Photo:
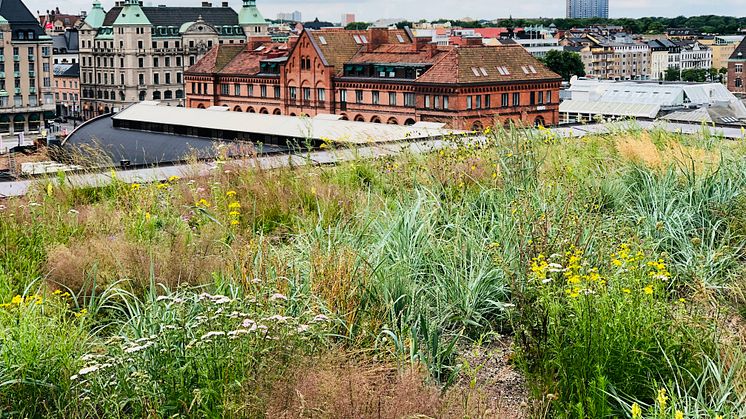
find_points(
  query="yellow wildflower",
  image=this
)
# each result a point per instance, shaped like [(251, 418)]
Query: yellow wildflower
[(234, 213), (135, 186), (173, 178), (234, 222), (230, 194), (626, 290), (679, 415), (162, 185), (648, 290), (57, 292), (636, 411), (234, 206), (662, 398), (202, 203), (50, 190), (16, 300), (147, 216)]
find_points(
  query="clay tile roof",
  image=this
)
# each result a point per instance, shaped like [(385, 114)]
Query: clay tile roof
[(396, 54), (247, 61), (216, 58), (340, 46), (469, 65), (740, 48)]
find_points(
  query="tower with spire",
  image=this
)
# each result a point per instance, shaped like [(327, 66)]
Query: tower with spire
[(251, 20)]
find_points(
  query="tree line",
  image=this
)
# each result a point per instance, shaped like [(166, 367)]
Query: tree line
[(708, 24)]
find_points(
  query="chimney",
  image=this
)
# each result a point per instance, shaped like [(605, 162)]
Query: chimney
[(473, 41), (432, 49), (225, 4), (421, 42), (377, 37)]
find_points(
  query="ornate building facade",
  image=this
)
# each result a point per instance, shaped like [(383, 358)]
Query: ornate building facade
[(379, 75), (26, 96), (133, 53)]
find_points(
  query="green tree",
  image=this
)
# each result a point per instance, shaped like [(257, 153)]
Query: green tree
[(565, 63), (673, 74), (694, 75), (355, 26)]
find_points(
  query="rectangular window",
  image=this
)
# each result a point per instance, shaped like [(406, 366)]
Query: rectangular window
[(540, 98), (237, 89), (516, 99), (375, 97), (392, 98), (343, 96), (140, 62), (293, 93), (532, 98), (307, 94), (427, 101), (739, 68), (320, 94), (437, 102), (168, 61), (548, 96), (487, 101), (141, 79), (468, 102), (409, 100), (479, 102), (251, 90), (445, 102), (504, 100), (155, 61), (156, 78), (263, 90), (277, 92), (224, 89)]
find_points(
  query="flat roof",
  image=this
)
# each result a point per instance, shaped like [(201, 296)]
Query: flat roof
[(321, 128)]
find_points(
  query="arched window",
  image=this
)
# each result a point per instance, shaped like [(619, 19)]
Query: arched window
[(392, 121), (277, 112), (168, 94), (359, 118), (409, 121), (179, 94), (156, 95), (142, 95)]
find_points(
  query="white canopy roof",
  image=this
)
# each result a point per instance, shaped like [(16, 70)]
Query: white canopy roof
[(322, 127)]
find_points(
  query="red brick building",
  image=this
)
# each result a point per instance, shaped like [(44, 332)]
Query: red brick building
[(736, 74), (379, 75)]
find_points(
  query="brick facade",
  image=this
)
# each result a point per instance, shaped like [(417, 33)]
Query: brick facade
[(379, 75), (737, 70)]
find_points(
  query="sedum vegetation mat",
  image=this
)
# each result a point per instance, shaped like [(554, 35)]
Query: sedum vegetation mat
[(614, 264)]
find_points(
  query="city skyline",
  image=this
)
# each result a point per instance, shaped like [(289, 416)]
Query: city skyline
[(368, 10)]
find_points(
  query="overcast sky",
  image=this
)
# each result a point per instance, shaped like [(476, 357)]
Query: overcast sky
[(368, 10)]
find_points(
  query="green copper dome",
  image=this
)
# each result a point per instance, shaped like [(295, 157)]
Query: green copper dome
[(132, 14), (95, 18), (250, 15)]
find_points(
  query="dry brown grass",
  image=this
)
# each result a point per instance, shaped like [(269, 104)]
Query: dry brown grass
[(351, 387), (641, 149), (107, 259)]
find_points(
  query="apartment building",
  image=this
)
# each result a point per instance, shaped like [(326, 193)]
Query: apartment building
[(664, 54), (67, 90), (132, 53), (26, 96), (584, 9), (736, 74), (381, 76), (604, 59), (696, 56)]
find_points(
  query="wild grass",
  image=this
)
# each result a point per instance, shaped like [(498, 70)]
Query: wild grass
[(613, 262)]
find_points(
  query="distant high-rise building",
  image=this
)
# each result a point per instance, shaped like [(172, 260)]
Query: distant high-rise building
[(290, 17), (583, 9), (348, 18)]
